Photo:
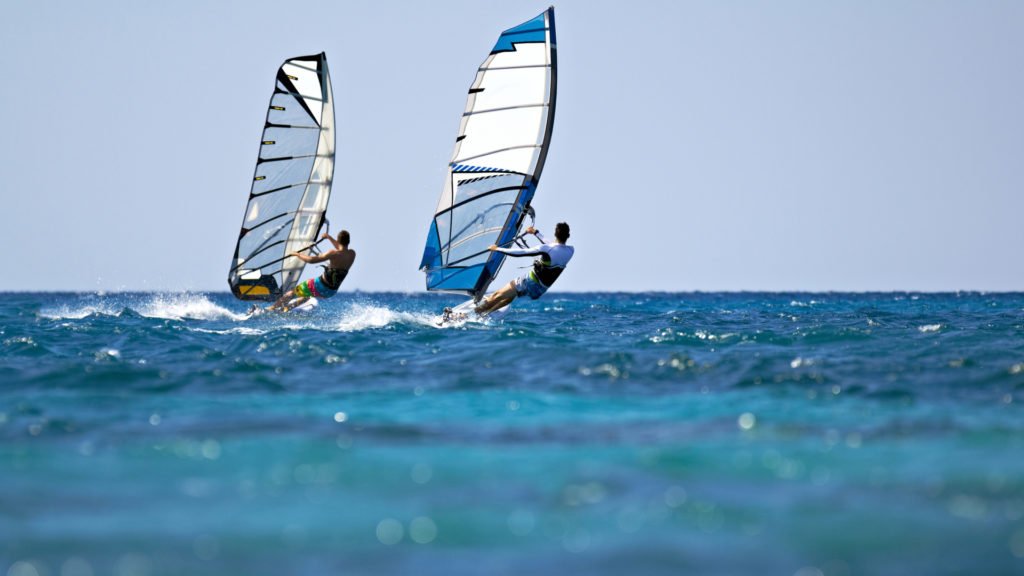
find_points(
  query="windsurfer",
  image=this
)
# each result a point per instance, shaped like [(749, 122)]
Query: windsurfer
[(340, 260), (552, 259)]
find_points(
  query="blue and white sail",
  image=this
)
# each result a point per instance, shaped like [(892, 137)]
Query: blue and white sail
[(499, 155), (292, 182)]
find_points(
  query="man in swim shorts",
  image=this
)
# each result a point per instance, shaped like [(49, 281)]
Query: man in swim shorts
[(340, 260), (551, 261)]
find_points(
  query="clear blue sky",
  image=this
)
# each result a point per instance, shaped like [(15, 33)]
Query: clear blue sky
[(785, 145)]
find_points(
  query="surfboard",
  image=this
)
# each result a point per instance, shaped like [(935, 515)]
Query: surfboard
[(308, 307), (466, 312)]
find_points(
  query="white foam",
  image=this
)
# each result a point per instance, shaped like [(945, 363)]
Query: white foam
[(242, 330), (368, 316), (184, 306), (930, 328), (178, 306), (66, 312)]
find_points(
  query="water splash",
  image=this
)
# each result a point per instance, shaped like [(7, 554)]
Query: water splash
[(369, 316), (164, 306), (79, 312), (184, 306), (240, 330)]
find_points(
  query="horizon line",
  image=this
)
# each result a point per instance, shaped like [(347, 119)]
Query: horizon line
[(572, 292)]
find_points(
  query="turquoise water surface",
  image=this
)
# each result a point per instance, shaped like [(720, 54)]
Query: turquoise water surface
[(809, 434)]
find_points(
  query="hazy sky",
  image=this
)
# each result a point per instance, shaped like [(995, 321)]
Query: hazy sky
[(709, 145)]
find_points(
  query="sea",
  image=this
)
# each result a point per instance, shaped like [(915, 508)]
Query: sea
[(798, 434)]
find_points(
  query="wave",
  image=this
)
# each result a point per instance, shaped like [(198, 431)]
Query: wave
[(180, 306), (69, 312), (185, 306), (240, 330), (349, 317), (354, 317), (369, 316)]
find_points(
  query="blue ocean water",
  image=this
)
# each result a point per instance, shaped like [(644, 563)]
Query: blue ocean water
[(796, 434)]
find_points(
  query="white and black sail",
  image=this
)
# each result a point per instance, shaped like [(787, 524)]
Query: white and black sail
[(499, 155), (292, 182)]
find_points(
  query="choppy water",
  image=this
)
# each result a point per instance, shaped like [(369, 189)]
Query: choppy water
[(835, 434)]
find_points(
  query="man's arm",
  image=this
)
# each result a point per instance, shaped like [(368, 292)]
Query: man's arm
[(518, 251), (313, 259), (335, 243), (537, 251)]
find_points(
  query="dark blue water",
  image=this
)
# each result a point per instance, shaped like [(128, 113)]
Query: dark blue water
[(834, 434)]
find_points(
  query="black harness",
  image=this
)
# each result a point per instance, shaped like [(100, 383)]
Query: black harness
[(546, 273), (333, 277)]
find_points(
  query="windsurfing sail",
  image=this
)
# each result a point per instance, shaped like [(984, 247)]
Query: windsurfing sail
[(292, 182), (499, 154)]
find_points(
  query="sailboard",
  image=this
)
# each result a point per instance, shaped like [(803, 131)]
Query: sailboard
[(499, 154), (291, 185)]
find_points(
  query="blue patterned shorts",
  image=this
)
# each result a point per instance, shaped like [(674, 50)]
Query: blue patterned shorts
[(314, 287), (528, 284)]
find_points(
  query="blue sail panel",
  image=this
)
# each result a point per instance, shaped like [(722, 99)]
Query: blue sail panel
[(529, 31), (537, 23), (454, 279), (432, 251)]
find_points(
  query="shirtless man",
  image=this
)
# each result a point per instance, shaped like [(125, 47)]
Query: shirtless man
[(340, 260), (553, 256)]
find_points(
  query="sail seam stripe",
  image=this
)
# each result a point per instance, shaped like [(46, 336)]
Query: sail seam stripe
[(514, 67), (470, 238), (477, 197), (463, 259), (265, 192), (474, 112), (499, 150), (267, 221), (260, 160), (290, 93), (507, 33), (273, 125), (314, 70), (260, 251), (282, 215)]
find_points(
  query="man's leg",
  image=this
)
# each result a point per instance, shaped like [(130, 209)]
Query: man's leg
[(296, 303), (498, 299), (281, 301)]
